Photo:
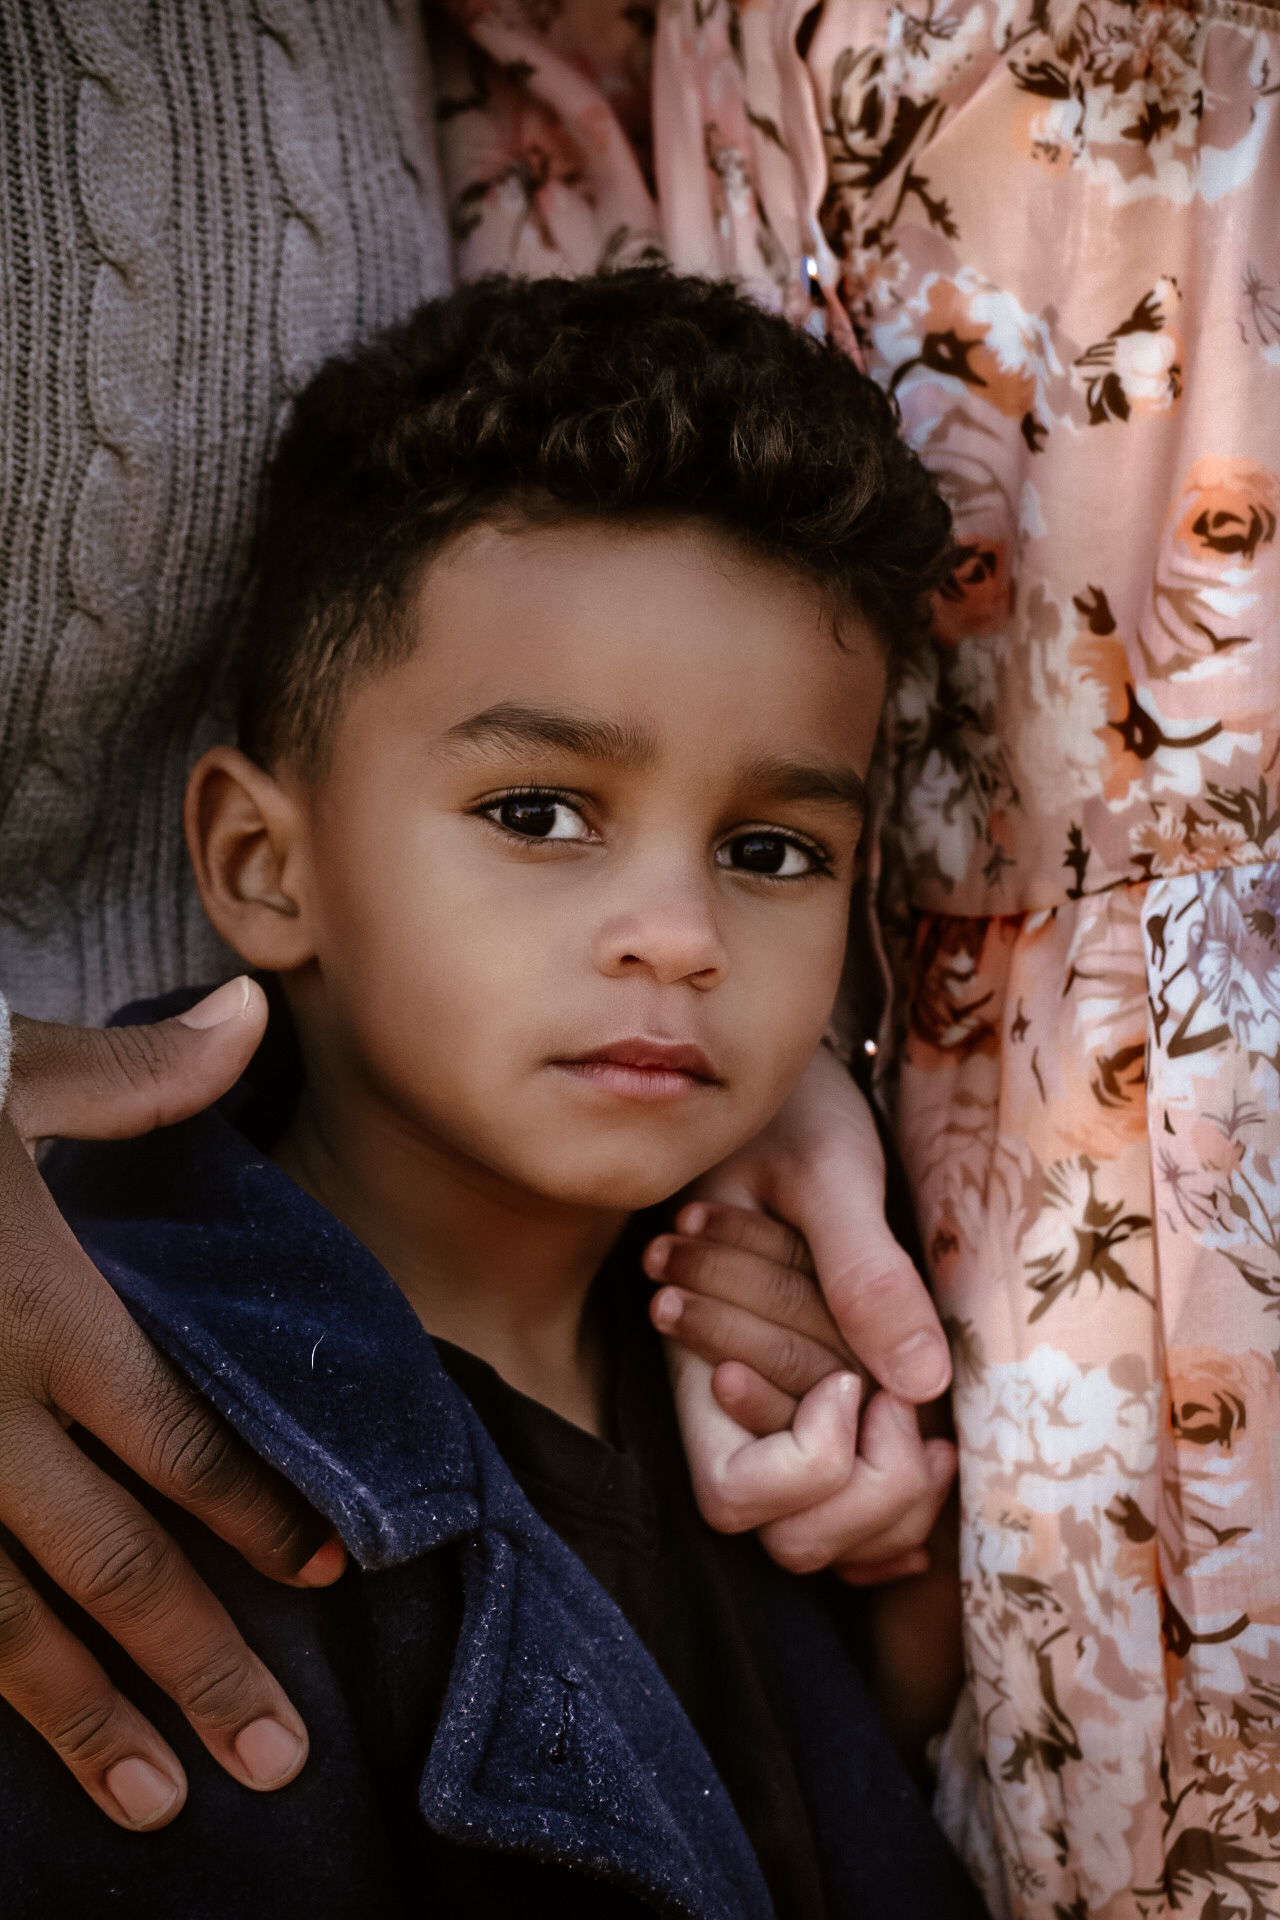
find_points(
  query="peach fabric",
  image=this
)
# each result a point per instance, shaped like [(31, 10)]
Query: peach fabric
[(1053, 230)]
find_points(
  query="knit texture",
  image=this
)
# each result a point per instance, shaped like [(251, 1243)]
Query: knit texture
[(199, 201)]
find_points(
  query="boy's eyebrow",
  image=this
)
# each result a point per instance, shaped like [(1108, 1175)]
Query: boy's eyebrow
[(796, 780), (617, 743), (626, 744)]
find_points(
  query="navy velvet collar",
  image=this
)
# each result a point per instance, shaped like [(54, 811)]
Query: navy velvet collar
[(293, 1330)]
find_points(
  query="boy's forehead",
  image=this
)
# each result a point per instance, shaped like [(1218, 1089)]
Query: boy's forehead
[(646, 631)]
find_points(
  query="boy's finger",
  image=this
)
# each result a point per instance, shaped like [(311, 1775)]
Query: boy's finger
[(751, 1400), (55, 1683), (748, 1229), (741, 1481), (907, 1533), (716, 1331), (109, 1083), (744, 1279), (910, 1531), (887, 1505), (115, 1560)]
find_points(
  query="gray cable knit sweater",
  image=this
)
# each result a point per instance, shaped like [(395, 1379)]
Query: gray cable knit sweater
[(199, 200)]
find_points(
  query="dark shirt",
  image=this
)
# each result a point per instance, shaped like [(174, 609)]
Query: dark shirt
[(694, 1597)]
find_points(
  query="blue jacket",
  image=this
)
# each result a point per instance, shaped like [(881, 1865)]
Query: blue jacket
[(473, 1649)]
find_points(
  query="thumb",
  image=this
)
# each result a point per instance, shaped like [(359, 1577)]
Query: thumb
[(879, 1302), (820, 1168), (835, 1198), (109, 1083)]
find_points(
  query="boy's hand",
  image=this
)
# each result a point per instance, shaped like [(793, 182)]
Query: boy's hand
[(756, 1353), (69, 1352), (818, 1166)]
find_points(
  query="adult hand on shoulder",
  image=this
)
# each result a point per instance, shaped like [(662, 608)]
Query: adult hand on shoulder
[(758, 1347), (70, 1353)]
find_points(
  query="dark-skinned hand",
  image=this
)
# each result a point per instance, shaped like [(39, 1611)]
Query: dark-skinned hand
[(71, 1355)]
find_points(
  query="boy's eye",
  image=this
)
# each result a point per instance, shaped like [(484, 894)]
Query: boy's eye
[(539, 816), (769, 853)]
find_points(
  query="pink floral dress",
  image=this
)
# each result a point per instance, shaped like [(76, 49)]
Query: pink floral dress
[(1054, 230)]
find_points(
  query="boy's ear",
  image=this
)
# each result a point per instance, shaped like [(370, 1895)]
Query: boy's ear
[(245, 834)]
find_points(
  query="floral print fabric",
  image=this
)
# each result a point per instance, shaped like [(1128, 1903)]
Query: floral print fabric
[(1061, 249), (1053, 231)]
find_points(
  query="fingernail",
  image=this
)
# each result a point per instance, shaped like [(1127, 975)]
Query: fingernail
[(324, 1566), (656, 1256), (224, 1003), (693, 1219), (268, 1752), (920, 1368), (140, 1790), (666, 1309)]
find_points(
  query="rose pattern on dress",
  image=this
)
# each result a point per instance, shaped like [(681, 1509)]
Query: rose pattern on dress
[(1138, 367), (1214, 586), (1116, 1146)]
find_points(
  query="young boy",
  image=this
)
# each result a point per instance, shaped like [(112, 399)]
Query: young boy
[(570, 625)]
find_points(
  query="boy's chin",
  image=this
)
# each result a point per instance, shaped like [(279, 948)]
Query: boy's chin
[(615, 1188)]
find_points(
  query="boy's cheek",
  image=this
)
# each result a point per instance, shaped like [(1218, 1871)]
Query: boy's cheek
[(457, 1004)]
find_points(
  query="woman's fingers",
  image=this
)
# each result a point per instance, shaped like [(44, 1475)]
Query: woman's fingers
[(117, 1756), (879, 1301), (884, 1556), (747, 1309), (821, 1493), (69, 1351), (112, 1558), (110, 1083)]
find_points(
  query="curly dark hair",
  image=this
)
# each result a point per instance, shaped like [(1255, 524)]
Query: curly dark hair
[(627, 395)]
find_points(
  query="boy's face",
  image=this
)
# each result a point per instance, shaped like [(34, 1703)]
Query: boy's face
[(571, 897)]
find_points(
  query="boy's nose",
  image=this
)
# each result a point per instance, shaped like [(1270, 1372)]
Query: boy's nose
[(671, 936)]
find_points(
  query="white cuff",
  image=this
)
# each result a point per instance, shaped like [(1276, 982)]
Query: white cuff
[(6, 1048)]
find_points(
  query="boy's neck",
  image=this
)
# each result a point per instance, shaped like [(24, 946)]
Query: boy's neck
[(494, 1269)]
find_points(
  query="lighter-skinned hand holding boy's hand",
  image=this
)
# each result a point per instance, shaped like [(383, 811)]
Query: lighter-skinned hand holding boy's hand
[(742, 1480), (862, 1502), (70, 1353), (818, 1166), (755, 1338)]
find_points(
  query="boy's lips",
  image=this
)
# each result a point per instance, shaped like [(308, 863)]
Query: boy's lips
[(642, 1069)]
